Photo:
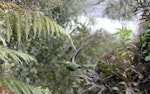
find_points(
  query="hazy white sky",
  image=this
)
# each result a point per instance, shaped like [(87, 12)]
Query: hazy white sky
[(96, 11), (110, 25)]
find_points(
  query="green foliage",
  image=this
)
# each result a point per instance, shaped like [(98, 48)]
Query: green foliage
[(144, 46), (124, 35), (47, 52), (119, 9), (89, 83), (116, 72), (20, 25), (36, 23), (142, 6), (95, 44), (58, 48), (125, 70), (20, 87), (126, 52), (8, 55), (47, 5)]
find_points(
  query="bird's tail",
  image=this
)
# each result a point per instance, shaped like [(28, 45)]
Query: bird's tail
[(59, 62)]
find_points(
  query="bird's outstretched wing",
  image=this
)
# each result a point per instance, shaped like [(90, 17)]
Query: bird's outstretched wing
[(76, 53)]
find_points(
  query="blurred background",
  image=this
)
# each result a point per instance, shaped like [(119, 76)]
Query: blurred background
[(89, 22)]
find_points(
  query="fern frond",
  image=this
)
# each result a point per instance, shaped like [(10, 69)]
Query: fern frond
[(18, 27), (21, 88), (19, 22), (8, 27), (27, 26), (7, 55), (47, 26), (5, 6), (40, 27)]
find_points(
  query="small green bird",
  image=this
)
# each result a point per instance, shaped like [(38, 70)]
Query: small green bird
[(71, 65)]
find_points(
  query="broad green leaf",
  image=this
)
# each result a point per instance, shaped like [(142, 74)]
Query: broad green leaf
[(128, 32), (127, 39), (142, 39), (147, 58)]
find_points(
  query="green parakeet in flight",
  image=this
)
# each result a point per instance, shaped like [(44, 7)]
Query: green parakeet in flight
[(71, 65)]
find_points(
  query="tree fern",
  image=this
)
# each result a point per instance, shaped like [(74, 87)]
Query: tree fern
[(22, 22)]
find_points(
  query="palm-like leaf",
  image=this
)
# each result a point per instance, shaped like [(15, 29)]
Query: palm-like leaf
[(20, 87), (8, 55), (17, 21)]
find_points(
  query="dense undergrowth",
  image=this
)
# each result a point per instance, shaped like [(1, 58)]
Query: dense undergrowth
[(124, 70)]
